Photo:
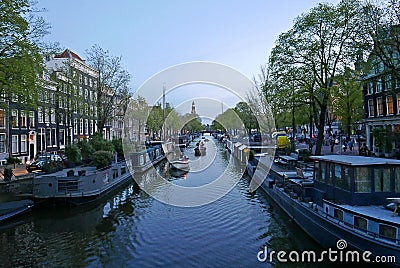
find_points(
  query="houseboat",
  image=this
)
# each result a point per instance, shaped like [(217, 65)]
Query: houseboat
[(79, 186), (145, 159), (345, 198)]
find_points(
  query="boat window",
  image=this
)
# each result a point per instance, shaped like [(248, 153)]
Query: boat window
[(338, 214), (362, 180), (360, 223), (387, 231), (342, 177), (141, 160), (323, 171), (329, 173), (317, 171), (397, 179), (382, 179)]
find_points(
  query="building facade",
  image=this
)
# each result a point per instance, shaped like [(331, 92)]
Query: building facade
[(66, 111), (381, 93)]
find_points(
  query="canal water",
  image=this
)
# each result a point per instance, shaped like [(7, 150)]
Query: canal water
[(131, 229)]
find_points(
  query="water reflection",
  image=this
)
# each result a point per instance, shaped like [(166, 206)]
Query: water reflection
[(130, 229)]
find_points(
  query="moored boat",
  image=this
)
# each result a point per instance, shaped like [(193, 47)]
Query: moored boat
[(78, 186), (145, 159), (14, 208), (182, 163), (344, 199)]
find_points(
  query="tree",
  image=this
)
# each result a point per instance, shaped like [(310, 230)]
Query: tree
[(247, 116), (381, 22), (347, 100), (112, 86), (320, 45), (21, 62)]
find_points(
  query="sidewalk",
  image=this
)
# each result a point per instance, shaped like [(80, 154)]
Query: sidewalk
[(337, 149), (20, 170)]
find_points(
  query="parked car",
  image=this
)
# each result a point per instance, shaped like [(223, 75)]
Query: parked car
[(40, 161)]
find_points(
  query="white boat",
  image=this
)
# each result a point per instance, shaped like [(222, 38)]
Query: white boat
[(181, 163)]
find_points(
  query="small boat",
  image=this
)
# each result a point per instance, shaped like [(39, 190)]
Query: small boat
[(200, 149), (180, 163), (14, 208)]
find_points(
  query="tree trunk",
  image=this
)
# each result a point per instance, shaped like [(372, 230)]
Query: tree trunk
[(321, 126)]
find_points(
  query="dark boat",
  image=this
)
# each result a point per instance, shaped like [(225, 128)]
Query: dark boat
[(77, 186), (145, 159), (14, 208), (200, 149), (342, 205)]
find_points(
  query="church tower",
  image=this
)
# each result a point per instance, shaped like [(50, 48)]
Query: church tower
[(193, 108)]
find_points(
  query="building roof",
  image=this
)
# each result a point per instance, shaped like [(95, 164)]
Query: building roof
[(68, 54)]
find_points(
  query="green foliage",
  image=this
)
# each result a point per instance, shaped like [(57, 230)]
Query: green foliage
[(98, 143), (117, 144), (7, 174), (86, 150), (193, 123), (13, 160), (247, 116), (20, 54), (102, 159), (73, 154), (51, 167)]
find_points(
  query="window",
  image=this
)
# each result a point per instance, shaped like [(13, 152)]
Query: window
[(2, 143), (379, 106), (22, 119), (2, 119), (91, 127), (370, 87), (75, 126), (360, 223), (24, 147), (338, 214), (389, 105), (31, 119), (80, 79), (86, 127), (61, 137), (14, 144), (388, 82), (81, 126), (387, 231), (371, 108), (382, 180), (397, 179), (362, 180), (40, 114), (53, 137), (86, 81), (52, 115), (379, 86), (46, 116), (398, 104), (14, 118)]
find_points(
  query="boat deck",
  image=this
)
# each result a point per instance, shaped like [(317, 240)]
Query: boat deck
[(63, 173)]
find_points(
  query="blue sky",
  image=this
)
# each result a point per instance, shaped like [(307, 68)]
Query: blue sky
[(154, 35)]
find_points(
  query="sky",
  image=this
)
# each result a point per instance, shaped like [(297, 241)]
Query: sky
[(152, 35)]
